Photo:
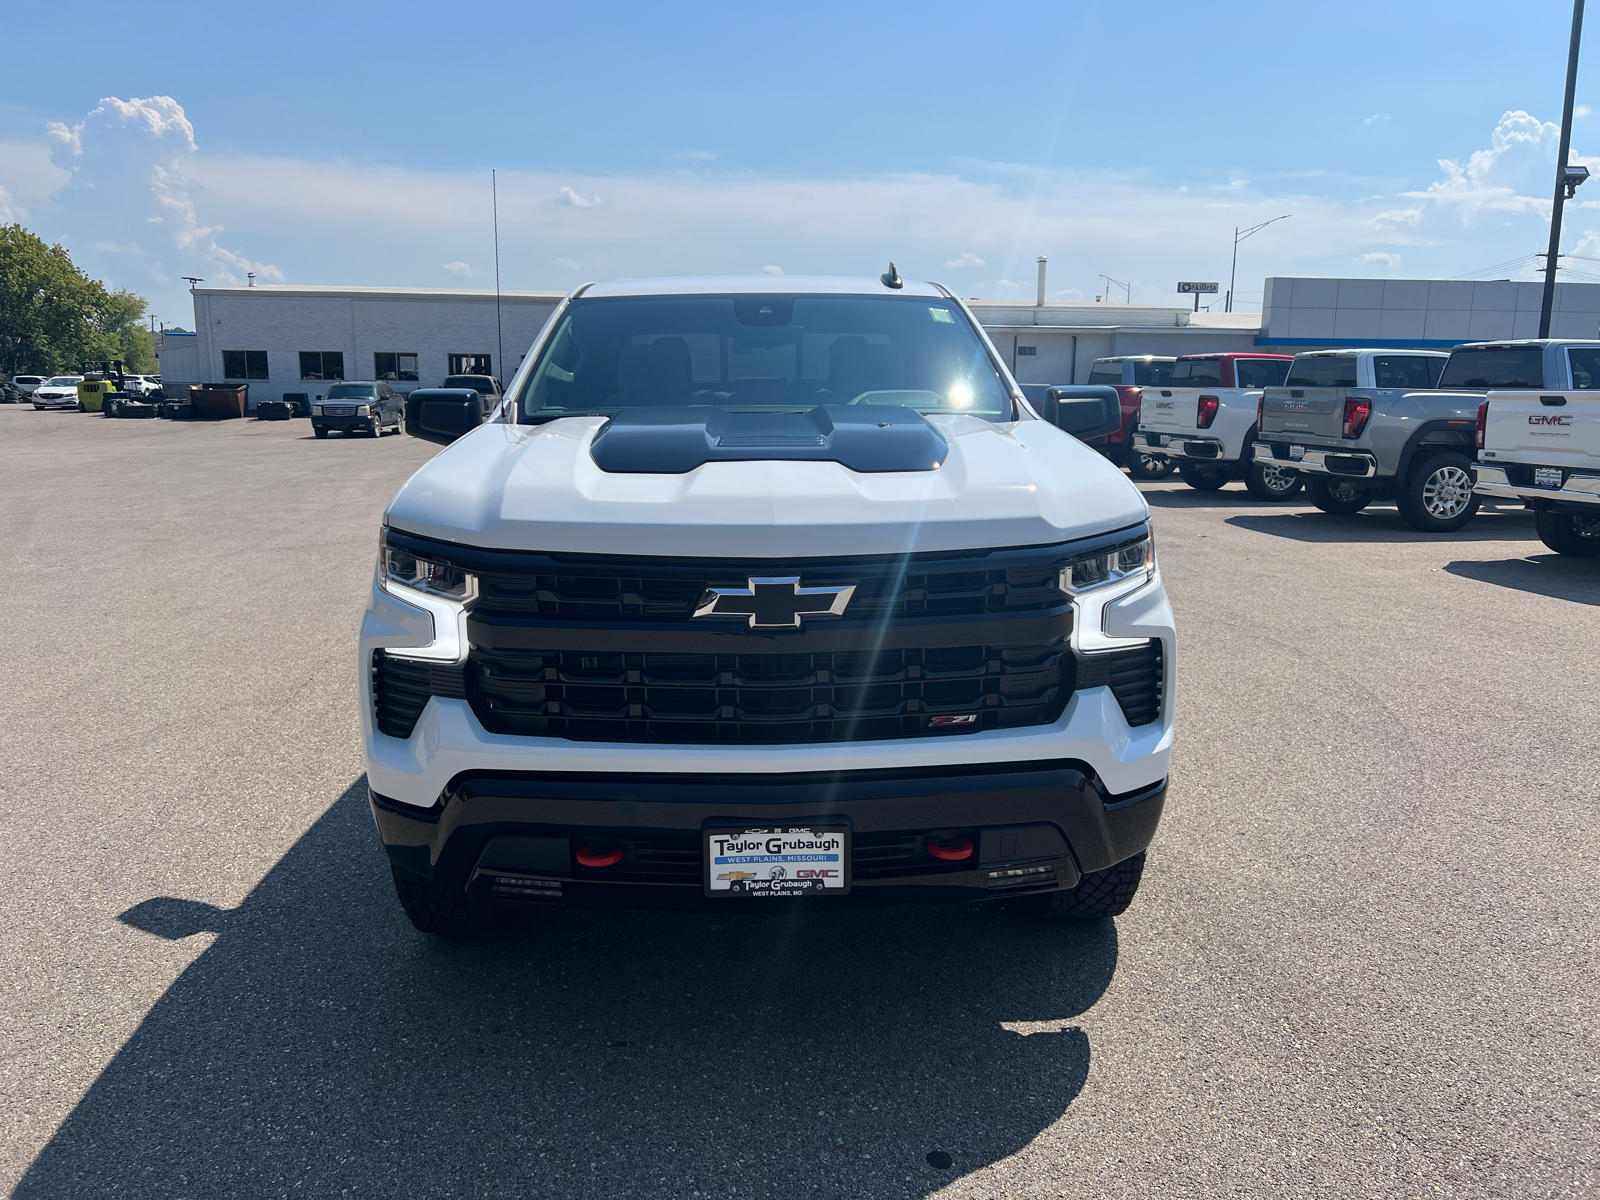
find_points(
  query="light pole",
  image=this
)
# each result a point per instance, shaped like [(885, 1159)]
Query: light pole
[(1567, 178), (1239, 235)]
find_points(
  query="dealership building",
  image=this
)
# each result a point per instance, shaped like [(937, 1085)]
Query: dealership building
[(297, 339)]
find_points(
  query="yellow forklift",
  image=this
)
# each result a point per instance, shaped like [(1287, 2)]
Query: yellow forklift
[(103, 380)]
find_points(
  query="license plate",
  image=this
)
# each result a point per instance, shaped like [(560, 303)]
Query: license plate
[(777, 860), (1296, 453), (1549, 477)]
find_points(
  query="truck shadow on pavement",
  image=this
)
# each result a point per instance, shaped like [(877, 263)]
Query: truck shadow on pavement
[(1234, 498), (1574, 579), (1384, 524), (320, 1044)]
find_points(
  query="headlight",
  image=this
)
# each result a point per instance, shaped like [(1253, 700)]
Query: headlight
[(363, 409), (316, 410), (1132, 559), (435, 578)]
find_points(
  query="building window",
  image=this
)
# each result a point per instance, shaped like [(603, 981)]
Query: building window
[(321, 364), (1026, 351), (469, 364), (395, 368), (244, 364)]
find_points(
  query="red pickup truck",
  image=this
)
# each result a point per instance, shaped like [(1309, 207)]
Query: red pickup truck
[(1130, 375)]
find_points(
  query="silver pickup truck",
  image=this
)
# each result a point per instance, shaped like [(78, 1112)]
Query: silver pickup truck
[(1364, 425)]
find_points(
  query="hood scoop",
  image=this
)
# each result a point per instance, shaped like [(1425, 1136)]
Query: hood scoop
[(674, 441)]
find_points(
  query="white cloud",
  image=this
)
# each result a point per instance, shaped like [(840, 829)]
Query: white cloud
[(10, 212), (572, 199), (1521, 149), (769, 269), (1378, 119), (1378, 258), (692, 156), (460, 268), (568, 263), (1583, 110), (125, 163), (968, 259)]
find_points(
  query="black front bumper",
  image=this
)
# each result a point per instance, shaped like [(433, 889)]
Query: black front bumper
[(343, 424), (1034, 827)]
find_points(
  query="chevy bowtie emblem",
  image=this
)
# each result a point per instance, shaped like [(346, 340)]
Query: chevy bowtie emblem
[(773, 602)]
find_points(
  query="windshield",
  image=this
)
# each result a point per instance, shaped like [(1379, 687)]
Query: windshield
[(1323, 370), (1198, 372), (773, 352), (1522, 367), (63, 381), (1106, 374), (351, 391)]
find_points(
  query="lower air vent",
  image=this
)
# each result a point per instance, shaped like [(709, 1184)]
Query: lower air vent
[(1134, 677), (401, 687)]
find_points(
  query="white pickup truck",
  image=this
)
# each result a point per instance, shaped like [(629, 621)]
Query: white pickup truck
[(1205, 421), (1543, 448)]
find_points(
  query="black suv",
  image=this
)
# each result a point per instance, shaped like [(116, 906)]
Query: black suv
[(358, 408), (487, 386)]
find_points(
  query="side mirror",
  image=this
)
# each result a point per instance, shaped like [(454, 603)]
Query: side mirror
[(319, 397), (1084, 412), (442, 419)]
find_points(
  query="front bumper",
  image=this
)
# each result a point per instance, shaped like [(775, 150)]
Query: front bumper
[(1204, 449), (512, 836), (1318, 460), (1575, 488), (56, 402), (343, 424)]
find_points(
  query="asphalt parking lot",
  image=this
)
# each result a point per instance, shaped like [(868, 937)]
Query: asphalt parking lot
[(1363, 961)]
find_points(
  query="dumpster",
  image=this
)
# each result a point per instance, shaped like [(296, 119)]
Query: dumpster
[(219, 401)]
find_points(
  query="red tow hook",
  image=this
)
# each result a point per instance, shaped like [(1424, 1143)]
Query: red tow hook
[(598, 858), (951, 850)]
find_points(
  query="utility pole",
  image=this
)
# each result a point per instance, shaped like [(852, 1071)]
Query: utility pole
[(1239, 235), (1567, 178)]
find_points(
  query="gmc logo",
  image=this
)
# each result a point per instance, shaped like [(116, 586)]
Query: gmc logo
[(1541, 419), (1163, 403)]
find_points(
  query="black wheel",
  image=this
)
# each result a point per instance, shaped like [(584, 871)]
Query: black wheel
[(81, 408), (1338, 496), (321, 433), (1567, 533), (1149, 466), (1100, 894), (1203, 477), (431, 906), (108, 408), (1269, 481), (1437, 495)]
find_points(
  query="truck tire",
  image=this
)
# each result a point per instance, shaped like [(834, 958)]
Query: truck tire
[(321, 433), (1099, 894), (1437, 495), (1268, 481), (1149, 466), (431, 906), (1205, 478), (1566, 533), (1338, 496)]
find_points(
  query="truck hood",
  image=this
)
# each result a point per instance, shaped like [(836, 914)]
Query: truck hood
[(536, 487)]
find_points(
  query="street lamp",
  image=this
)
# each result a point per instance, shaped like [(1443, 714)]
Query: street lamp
[(1239, 235), (1568, 177)]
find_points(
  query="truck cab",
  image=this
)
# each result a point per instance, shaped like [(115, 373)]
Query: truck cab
[(1364, 425), (1541, 445), (1204, 420), (1130, 374)]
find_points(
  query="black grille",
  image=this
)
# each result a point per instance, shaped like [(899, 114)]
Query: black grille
[(766, 698), (401, 687), (1134, 677)]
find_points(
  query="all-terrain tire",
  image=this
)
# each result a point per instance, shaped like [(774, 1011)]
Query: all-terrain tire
[(1099, 894), (321, 433), (1204, 477), (1437, 495), (432, 907), (1566, 533), (1149, 466), (1268, 481), (1340, 497)]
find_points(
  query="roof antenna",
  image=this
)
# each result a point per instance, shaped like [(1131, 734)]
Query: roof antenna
[(891, 278)]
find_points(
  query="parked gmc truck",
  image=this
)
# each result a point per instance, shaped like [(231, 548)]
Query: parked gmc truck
[(1363, 425), (759, 592), (1205, 421)]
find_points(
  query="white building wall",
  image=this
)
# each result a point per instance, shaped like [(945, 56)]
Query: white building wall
[(178, 359), (359, 323)]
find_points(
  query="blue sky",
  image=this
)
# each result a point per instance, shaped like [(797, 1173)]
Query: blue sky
[(353, 143)]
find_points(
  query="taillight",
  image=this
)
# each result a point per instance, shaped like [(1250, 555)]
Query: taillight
[(1261, 411), (1205, 411), (1483, 422), (1356, 413)]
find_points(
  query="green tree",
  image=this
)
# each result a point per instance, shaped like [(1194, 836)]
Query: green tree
[(53, 316)]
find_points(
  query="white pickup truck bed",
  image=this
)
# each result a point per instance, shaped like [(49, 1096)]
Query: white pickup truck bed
[(1543, 447)]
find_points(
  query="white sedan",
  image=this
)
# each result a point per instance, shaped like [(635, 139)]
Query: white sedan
[(58, 392)]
